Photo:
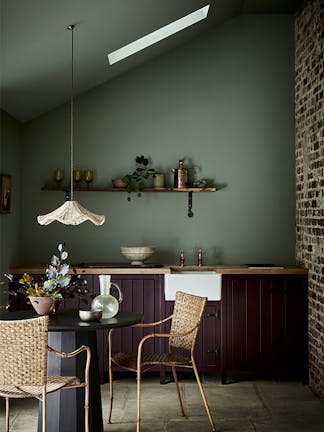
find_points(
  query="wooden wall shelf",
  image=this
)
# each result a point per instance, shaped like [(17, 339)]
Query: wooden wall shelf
[(106, 189), (190, 191)]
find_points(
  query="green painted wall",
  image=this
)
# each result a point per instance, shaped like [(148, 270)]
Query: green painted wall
[(224, 101), (10, 147)]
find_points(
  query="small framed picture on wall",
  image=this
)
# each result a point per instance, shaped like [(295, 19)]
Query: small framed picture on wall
[(5, 193)]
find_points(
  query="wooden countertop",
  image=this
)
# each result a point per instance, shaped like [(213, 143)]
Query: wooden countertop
[(39, 269), (243, 269), (223, 269)]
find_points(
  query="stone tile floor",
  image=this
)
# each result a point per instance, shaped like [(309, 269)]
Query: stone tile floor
[(246, 406)]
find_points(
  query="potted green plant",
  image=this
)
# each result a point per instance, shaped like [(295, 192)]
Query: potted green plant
[(138, 179)]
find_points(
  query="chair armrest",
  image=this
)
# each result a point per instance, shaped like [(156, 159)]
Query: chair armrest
[(153, 323), (71, 354), (164, 335), (160, 335), (139, 325)]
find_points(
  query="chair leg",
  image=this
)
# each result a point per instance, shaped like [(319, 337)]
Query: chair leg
[(111, 394), (86, 408), (44, 410), (138, 400), (7, 414), (175, 377), (211, 421)]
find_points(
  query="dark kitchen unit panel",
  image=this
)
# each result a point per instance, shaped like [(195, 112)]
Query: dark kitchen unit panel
[(259, 326), (265, 325)]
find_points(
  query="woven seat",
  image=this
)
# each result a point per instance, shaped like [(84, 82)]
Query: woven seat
[(129, 360), (23, 365), (53, 383), (185, 321)]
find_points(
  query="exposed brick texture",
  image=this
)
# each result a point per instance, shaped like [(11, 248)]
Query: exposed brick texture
[(309, 69)]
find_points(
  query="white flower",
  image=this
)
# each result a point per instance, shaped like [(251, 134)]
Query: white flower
[(49, 285), (51, 272), (64, 269), (64, 281), (57, 272), (64, 255), (55, 261)]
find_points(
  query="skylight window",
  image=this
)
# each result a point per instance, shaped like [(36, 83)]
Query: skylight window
[(158, 35)]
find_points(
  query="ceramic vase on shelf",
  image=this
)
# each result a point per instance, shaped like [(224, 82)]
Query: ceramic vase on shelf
[(105, 301), (159, 180)]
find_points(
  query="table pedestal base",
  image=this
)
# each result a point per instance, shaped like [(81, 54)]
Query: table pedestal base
[(65, 408)]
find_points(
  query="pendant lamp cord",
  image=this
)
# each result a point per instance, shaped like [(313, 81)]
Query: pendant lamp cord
[(71, 27)]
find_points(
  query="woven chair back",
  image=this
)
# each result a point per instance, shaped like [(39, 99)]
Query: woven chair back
[(23, 352), (187, 313)]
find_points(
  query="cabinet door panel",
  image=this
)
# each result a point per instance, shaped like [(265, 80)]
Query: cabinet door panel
[(236, 324), (264, 324), (296, 353), (278, 322), (210, 335), (126, 334), (253, 320)]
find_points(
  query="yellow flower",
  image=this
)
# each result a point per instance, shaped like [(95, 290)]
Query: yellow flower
[(26, 279)]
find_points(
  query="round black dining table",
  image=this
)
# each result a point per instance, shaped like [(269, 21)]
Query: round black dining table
[(65, 408)]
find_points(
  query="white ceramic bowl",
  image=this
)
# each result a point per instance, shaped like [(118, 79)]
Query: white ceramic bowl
[(137, 254), (90, 315)]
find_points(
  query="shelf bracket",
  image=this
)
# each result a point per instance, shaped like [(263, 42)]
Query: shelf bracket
[(190, 212)]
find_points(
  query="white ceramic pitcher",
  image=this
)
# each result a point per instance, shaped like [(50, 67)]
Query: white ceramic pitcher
[(105, 301)]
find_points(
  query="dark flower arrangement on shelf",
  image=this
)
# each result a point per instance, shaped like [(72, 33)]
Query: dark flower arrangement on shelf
[(58, 282), (136, 181)]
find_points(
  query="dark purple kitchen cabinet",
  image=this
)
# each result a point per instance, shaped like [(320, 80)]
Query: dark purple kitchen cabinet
[(260, 325), (264, 325)]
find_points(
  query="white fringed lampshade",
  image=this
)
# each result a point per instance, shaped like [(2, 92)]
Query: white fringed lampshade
[(71, 213)]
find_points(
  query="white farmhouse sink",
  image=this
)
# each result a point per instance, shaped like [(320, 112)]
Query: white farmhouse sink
[(205, 283)]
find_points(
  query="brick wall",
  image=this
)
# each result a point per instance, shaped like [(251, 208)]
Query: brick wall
[(309, 69)]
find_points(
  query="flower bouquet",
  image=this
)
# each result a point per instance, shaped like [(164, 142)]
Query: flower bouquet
[(46, 294)]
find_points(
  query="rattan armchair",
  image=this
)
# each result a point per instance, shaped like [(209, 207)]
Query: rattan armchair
[(23, 365), (185, 321)]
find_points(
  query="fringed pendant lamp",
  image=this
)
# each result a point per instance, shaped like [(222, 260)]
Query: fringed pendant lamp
[(71, 212)]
